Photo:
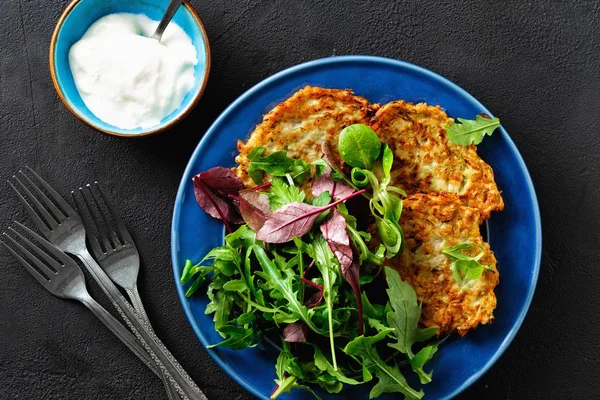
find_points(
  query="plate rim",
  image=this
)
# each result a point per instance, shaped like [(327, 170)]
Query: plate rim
[(349, 59)]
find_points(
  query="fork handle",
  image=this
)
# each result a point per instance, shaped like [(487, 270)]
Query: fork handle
[(136, 301), (138, 306), (157, 350), (128, 339)]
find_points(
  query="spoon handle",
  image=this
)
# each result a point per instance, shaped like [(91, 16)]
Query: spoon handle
[(171, 10)]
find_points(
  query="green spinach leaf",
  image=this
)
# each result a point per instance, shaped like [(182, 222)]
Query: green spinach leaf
[(359, 146)]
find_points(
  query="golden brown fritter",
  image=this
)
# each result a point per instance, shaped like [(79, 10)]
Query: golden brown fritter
[(432, 222), (302, 123), (451, 190), (426, 161)]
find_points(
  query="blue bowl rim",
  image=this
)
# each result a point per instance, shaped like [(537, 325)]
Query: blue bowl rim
[(151, 131), (342, 59)]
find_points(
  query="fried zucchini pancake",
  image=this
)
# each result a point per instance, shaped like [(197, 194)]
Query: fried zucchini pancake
[(426, 161), (451, 190), (302, 123), (432, 222)]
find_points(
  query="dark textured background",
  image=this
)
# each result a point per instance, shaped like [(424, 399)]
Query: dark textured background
[(535, 64)]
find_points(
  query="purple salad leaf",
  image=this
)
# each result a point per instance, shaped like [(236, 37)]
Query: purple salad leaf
[(334, 232), (254, 207), (316, 297), (293, 220), (325, 183), (295, 332), (314, 300), (216, 191), (332, 155)]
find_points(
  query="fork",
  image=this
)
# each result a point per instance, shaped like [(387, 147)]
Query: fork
[(62, 226), (62, 277), (118, 256)]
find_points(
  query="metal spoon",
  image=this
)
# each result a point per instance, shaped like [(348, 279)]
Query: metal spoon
[(171, 10)]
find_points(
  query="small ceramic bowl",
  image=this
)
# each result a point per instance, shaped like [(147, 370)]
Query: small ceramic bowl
[(75, 21)]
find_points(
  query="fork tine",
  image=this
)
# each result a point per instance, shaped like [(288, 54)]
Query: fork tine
[(30, 211), (93, 240), (34, 272), (40, 274), (41, 196), (120, 225), (113, 235), (95, 221), (52, 262), (66, 208), (55, 251)]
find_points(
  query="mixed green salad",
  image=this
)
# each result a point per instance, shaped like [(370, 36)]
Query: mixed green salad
[(305, 266)]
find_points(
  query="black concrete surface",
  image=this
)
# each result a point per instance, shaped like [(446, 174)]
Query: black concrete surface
[(534, 63)]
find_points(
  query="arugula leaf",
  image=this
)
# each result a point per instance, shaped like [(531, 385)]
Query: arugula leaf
[(242, 238), (275, 164), (286, 362), (425, 334), (359, 146), (471, 131), (328, 266), (246, 318), (300, 171), (323, 364), (282, 194), (372, 311), (221, 303), (284, 286), (238, 337), (420, 359), (290, 370), (464, 267), (195, 285), (390, 378), (189, 271), (235, 285), (405, 319)]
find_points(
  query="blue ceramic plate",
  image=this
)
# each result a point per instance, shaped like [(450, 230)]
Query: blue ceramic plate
[(514, 234)]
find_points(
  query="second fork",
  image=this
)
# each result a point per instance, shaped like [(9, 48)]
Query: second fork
[(62, 226)]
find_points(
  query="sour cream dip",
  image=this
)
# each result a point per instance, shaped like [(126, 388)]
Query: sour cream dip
[(126, 78)]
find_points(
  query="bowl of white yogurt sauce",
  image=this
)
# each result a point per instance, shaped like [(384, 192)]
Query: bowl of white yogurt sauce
[(112, 76)]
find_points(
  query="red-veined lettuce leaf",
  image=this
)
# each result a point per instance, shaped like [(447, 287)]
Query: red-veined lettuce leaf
[(295, 332), (334, 232), (325, 183), (293, 220), (254, 207), (215, 191)]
